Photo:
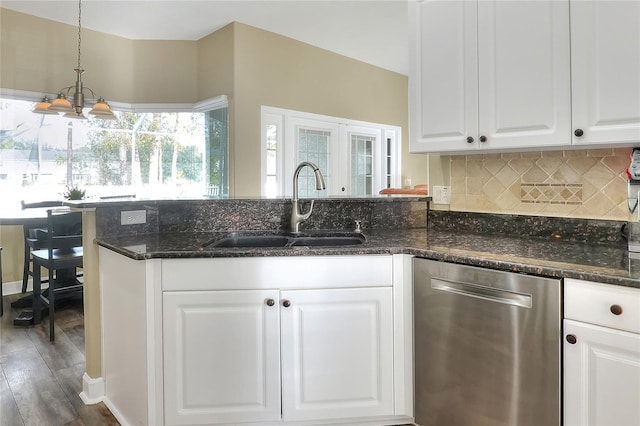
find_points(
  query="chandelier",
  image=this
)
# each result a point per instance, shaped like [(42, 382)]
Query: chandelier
[(62, 104)]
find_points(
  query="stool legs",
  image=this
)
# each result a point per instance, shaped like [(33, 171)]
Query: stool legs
[(52, 308), (1, 299), (27, 260), (37, 290)]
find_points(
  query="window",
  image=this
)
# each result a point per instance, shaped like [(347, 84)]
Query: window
[(313, 146), (356, 158), (217, 152), (149, 154), (362, 164)]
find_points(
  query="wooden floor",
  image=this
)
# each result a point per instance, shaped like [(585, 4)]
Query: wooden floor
[(40, 381)]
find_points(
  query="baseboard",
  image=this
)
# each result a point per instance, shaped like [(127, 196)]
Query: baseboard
[(15, 287), (93, 390), (116, 413)]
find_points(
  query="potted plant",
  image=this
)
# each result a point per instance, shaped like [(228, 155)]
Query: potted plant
[(74, 193)]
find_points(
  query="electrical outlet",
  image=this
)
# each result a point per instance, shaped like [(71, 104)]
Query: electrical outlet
[(441, 195), (407, 183), (133, 217)]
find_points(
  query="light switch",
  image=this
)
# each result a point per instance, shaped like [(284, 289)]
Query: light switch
[(441, 195)]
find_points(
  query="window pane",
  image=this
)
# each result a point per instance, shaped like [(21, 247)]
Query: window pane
[(217, 151), (272, 137), (145, 154), (271, 189), (361, 165), (314, 151)]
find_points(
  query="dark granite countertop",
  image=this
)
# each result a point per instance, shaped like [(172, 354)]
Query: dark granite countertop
[(552, 257)]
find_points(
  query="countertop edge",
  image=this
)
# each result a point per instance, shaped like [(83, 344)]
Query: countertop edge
[(520, 265)]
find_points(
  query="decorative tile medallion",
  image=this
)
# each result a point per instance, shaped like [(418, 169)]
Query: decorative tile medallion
[(551, 193)]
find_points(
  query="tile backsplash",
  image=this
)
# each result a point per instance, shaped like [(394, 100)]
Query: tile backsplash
[(588, 184)]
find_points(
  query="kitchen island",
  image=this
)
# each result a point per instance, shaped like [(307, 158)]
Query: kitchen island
[(395, 229)]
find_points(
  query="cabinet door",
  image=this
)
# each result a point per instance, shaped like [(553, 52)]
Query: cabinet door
[(443, 75), (605, 55), (601, 376), (221, 357), (524, 74), (337, 353)]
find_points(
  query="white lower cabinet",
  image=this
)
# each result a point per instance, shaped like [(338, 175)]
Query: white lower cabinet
[(226, 351), (601, 355), (602, 376), (221, 357), (337, 353), (259, 341)]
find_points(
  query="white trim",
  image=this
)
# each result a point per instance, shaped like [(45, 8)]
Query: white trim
[(375, 133), (116, 413), (293, 123), (93, 390), (220, 101), (395, 134), (267, 119), (340, 148), (15, 287), (211, 103)]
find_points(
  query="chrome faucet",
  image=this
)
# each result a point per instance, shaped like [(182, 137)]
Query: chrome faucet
[(296, 217)]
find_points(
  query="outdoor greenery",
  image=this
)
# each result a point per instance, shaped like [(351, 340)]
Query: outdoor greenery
[(155, 153)]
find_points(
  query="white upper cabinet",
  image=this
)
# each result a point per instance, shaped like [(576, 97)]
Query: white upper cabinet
[(515, 75), (523, 74), (489, 75), (605, 57), (443, 75)]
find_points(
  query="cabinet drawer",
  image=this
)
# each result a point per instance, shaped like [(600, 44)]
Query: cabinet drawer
[(602, 304)]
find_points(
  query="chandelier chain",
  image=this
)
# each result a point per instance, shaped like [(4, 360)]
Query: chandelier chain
[(79, 29)]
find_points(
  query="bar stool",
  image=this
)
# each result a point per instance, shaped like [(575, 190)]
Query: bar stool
[(63, 253), (1, 300), (31, 240)]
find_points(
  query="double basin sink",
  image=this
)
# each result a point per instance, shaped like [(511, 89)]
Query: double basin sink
[(282, 239)]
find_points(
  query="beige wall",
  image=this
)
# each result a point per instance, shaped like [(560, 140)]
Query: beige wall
[(251, 66), (11, 240), (39, 55), (281, 72), (164, 71), (588, 184), (215, 77)]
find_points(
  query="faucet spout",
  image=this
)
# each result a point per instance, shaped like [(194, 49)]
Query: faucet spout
[(296, 217)]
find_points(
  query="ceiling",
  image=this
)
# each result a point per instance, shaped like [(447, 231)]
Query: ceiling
[(372, 31)]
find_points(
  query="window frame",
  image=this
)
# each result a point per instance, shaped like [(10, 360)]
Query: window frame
[(289, 121), (204, 106)]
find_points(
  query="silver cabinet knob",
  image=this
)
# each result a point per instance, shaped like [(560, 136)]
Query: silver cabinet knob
[(270, 302), (286, 303)]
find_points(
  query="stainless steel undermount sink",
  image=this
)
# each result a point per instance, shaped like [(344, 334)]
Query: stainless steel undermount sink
[(328, 239)]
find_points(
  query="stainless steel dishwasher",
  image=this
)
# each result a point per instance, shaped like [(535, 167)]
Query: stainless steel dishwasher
[(487, 346)]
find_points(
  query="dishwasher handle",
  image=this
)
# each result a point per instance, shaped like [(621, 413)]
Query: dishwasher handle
[(491, 294)]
